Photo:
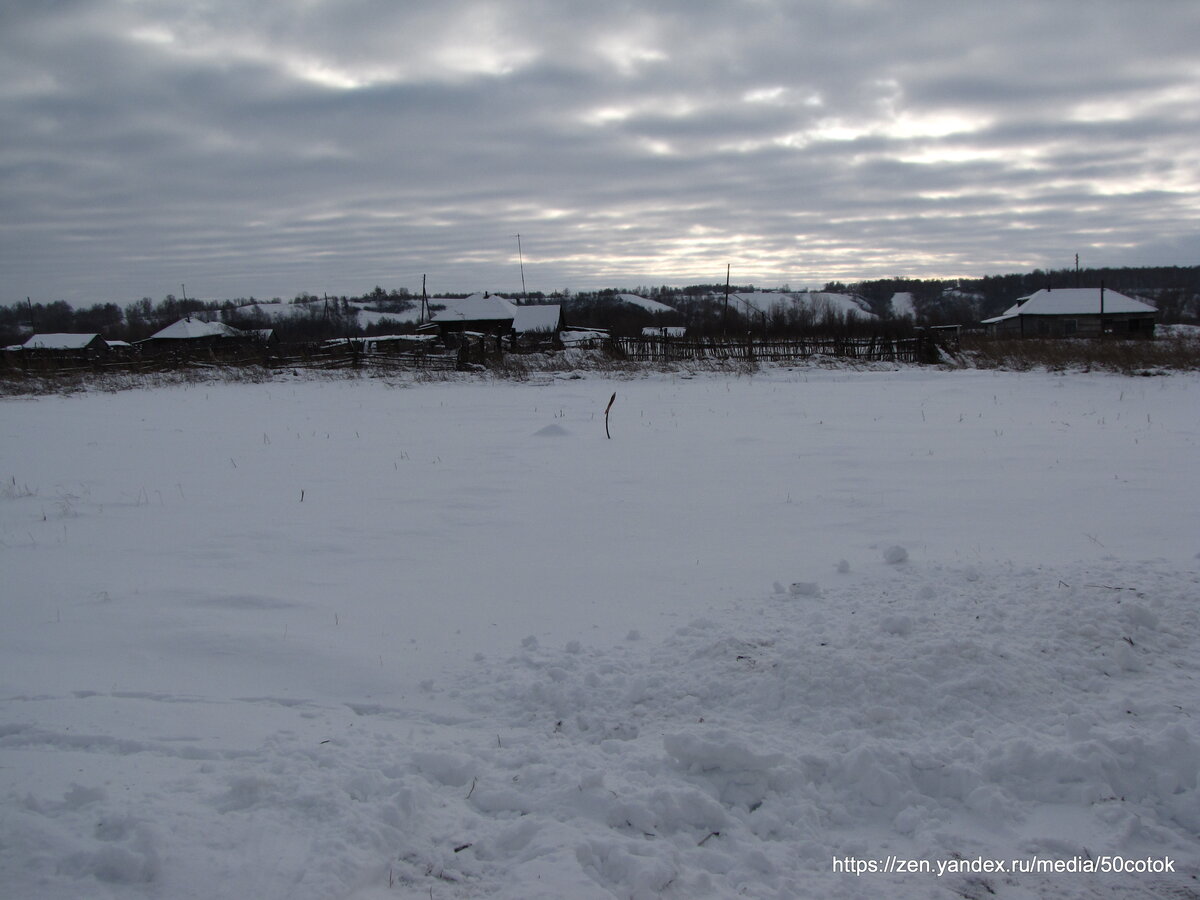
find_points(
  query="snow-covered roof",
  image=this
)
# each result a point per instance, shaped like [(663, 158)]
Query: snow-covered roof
[(187, 329), (400, 338), (59, 341), (476, 308), (529, 319), (1072, 302), (664, 331)]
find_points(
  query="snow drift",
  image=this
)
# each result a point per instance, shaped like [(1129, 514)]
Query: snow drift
[(318, 639)]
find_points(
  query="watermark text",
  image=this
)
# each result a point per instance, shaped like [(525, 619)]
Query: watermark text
[(981, 865)]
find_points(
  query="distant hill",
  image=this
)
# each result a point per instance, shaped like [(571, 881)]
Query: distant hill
[(1174, 290)]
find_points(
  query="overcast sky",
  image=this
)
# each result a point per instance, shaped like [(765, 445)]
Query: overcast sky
[(269, 148)]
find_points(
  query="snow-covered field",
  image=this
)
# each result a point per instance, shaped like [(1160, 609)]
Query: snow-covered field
[(356, 639)]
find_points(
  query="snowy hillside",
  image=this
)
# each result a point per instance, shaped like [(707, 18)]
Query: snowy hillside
[(903, 305), (369, 317), (816, 303), (279, 311), (317, 639), (645, 303)]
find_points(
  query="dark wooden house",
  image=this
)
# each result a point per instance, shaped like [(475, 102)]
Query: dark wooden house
[(1075, 312)]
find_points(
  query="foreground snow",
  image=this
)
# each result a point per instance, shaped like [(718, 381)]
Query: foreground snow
[(352, 639)]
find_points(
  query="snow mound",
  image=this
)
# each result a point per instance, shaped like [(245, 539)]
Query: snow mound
[(752, 749), (804, 589)]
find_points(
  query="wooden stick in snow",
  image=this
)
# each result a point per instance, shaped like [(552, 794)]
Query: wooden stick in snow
[(606, 409)]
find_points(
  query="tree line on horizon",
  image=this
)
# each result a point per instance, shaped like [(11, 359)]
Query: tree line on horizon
[(1175, 290)]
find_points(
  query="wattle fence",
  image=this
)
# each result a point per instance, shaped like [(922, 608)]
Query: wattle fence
[(756, 350), (363, 354), (350, 354)]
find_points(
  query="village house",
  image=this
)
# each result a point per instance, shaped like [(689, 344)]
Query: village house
[(478, 314), (191, 333), (496, 317), (1075, 312)]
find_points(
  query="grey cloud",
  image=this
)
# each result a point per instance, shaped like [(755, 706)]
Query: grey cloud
[(272, 148)]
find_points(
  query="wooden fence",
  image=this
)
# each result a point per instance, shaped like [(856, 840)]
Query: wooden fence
[(351, 354), (874, 349), (357, 354)]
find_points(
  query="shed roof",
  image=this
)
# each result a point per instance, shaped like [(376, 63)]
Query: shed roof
[(542, 318), (399, 339), (59, 341)]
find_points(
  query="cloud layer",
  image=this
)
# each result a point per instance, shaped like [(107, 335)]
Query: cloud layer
[(269, 149)]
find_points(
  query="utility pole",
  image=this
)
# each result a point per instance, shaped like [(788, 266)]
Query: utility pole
[(521, 257), (424, 304), (1076, 270), (725, 312)]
